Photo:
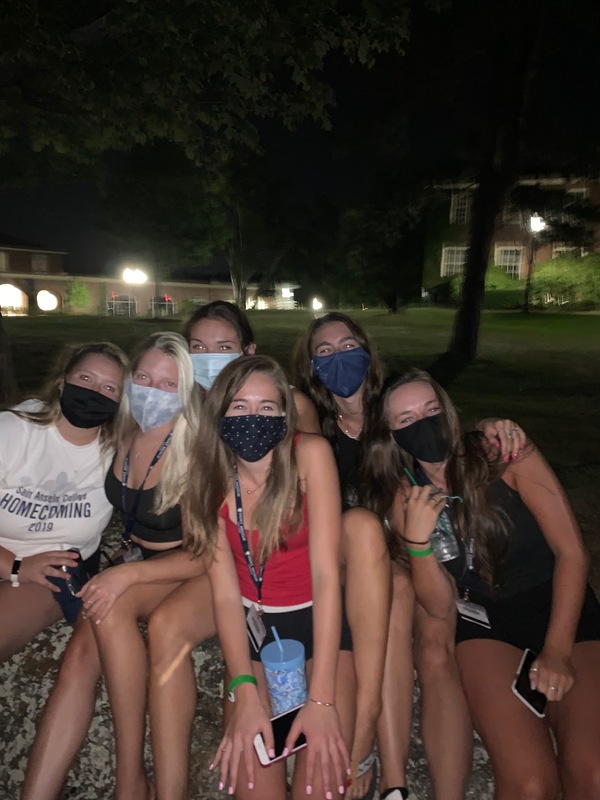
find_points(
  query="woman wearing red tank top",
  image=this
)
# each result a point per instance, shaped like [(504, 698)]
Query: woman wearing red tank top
[(283, 480)]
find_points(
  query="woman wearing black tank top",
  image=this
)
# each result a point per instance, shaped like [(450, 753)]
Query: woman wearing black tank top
[(339, 369), (157, 424), (520, 578)]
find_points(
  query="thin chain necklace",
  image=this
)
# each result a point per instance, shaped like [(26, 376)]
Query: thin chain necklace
[(346, 431), (256, 488)]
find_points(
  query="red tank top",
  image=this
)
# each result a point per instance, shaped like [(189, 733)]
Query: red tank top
[(286, 579)]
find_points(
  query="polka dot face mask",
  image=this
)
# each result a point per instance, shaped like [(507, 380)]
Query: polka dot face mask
[(252, 436)]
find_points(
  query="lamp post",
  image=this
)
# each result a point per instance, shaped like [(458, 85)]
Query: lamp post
[(134, 276), (536, 226)]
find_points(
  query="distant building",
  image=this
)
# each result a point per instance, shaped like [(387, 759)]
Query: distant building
[(447, 244)]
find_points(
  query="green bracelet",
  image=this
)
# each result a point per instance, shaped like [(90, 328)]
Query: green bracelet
[(419, 553), (235, 682)]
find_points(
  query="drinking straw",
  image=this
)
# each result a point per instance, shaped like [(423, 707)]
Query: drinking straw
[(410, 477), (277, 639)]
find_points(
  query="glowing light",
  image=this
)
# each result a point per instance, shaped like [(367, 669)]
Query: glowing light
[(134, 275), (536, 223), (317, 304), (47, 301), (285, 292), (10, 296)]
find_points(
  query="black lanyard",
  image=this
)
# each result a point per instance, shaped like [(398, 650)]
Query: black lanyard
[(129, 516), (257, 577)]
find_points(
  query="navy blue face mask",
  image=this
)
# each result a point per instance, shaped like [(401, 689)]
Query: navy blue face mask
[(426, 439), (252, 436), (342, 373)]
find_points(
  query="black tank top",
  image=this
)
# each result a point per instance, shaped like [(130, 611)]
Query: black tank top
[(528, 560), (148, 526)]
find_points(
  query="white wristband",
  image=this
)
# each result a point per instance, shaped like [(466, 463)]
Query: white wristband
[(14, 573)]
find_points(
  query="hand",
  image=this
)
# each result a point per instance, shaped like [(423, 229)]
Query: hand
[(249, 718), (505, 434), (423, 508), (321, 726), (551, 674), (35, 569), (99, 594)]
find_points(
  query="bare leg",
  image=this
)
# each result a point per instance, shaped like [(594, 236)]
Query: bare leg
[(269, 782), (368, 598), (518, 742), (395, 722), (25, 611), (576, 722), (66, 718), (124, 664), (181, 622), (345, 695), (445, 720)]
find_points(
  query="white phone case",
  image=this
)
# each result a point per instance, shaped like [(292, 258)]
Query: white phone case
[(259, 742), (524, 700)]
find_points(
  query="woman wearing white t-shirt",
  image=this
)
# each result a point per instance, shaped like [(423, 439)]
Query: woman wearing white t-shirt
[(54, 454)]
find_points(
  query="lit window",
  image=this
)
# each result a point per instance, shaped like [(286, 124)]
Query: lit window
[(453, 261), (510, 259), (559, 250), (39, 262), (460, 208)]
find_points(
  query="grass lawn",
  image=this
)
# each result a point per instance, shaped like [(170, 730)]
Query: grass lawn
[(540, 369)]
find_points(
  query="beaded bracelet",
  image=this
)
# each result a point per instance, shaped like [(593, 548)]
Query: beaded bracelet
[(419, 553), (321, 703), (235, 682)]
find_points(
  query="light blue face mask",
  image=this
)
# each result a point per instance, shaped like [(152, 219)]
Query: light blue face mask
[(151, 407), (207, 366)]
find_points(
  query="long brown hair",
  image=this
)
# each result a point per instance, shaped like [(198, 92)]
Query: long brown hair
[(307, 381), (68, 360), (212, 464), (469, 470), (224, 312)]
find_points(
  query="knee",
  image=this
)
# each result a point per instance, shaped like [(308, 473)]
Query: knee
[(433, 657), (540, 784), (363, 536), (81, 657)]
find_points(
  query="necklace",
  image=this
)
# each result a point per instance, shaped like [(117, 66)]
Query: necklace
[(257, 487), (346, 431)]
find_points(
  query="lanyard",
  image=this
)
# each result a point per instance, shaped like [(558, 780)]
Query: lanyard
[(129, 516), (257, 577)]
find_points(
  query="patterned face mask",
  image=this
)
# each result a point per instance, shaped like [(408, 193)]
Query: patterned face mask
[(151, 407), (342, 373), (252, 436), (207, 366)]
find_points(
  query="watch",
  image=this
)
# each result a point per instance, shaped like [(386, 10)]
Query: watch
[(14, 573)]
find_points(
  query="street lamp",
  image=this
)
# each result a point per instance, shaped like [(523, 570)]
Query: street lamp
[(134, 276), (536, 225), (317, 304)]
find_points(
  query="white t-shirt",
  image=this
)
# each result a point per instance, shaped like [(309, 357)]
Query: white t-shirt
[(51, 491)]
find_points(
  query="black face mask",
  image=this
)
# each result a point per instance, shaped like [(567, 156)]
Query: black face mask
[(426, 440), (252, 436), (85, 408)]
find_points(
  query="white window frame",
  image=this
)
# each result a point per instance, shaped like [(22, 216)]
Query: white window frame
[(560, 249), (39, 263), (453, 261), (460, 207), (505, 256)]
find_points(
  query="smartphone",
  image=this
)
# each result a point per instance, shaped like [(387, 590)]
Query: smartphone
[(534, 700), (281, 727)]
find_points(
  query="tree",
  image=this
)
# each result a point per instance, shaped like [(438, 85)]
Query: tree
[(78, 295), (78, 80)]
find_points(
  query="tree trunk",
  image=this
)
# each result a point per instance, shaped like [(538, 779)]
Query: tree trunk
[(519, 22), (237, 269)]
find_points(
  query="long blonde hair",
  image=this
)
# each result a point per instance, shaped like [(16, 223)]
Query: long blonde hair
[(68, 361), (175, 470), (212, 466)]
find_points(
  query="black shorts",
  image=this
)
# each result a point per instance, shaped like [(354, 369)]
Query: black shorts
[(298, 625), (523, 620)]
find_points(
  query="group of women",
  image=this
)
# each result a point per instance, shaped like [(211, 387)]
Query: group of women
[(317, 509)]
